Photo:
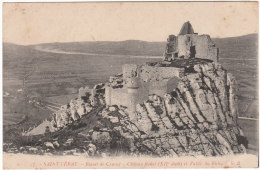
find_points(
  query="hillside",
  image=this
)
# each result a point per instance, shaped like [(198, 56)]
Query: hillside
[(228, 47), (240, 47), (51, 75), (38, 79)]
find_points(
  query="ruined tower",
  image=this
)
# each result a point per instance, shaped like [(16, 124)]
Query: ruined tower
[(190, 45), (171, 48), (132, 89), (186, 29), (137, 82)]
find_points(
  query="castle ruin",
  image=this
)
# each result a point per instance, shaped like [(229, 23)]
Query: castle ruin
[(190, 45), (184, 105), (139, 81)]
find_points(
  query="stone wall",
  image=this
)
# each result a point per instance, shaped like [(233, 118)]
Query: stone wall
[(153, 73), (108, 91), (171, 48), (147, 80), (125, 96), (117, 96), (204, 46)]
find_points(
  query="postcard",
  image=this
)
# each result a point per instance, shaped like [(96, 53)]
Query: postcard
[(98, 85)]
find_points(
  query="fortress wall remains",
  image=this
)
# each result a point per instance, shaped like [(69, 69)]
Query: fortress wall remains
[(201, 44), (118, 96), (183, 46), (126, 97), (213, 53), (147, 80), (204, 46), (151, 73), (108, 90)]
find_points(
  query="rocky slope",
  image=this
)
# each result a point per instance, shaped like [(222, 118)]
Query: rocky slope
[(197, 118)]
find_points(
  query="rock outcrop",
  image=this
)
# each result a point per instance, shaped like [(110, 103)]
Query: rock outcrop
[(185, 105), (78, 107), (199, 117)]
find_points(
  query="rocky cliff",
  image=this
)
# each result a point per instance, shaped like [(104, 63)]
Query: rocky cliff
[(197, 118)]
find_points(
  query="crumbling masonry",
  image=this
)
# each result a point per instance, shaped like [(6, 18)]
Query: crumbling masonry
[(181, 55), (185, 104)]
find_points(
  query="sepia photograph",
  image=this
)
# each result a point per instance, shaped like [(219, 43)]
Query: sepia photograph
[(89, 85)]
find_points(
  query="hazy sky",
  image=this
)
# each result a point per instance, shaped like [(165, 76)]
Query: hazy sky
[(32, 23)]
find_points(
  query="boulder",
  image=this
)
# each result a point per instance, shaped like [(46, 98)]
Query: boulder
[(49, 145)]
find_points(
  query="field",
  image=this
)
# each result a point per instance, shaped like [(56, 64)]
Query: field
[(37, 75)]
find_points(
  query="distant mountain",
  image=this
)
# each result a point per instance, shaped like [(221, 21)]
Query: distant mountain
[(52, 73), (242, 46), (239, 47)]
